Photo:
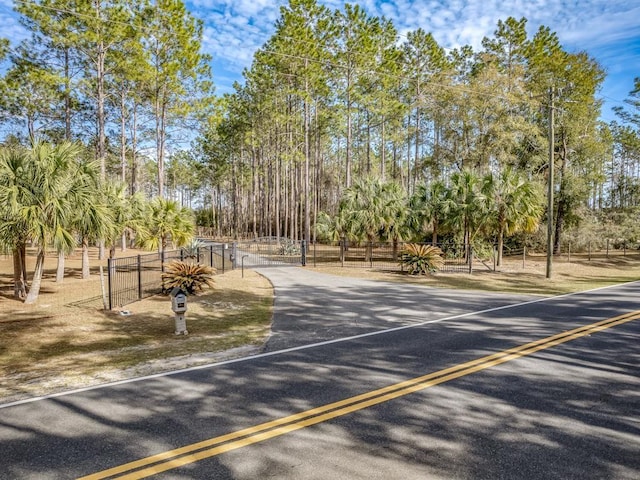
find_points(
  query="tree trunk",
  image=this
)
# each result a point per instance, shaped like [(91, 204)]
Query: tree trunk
[(369, 250), (160, 114), (123, 139), (254, 193), (382, 152), (434, 236), (348, 150), (562, 202), (134, 160), (500, 246), (60, 269), (85, 259), (307, 153), (67, 96), (19, 273), (34, 291), (102, 157)]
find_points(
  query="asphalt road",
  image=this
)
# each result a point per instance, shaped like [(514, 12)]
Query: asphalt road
[(363, 380)]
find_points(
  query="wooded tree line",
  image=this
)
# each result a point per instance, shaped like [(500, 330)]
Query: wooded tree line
[(335, 98)]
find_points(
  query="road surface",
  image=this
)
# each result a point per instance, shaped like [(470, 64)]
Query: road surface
[(365, 380)]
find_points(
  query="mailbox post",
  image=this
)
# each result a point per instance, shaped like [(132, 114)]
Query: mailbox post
[(179, 307)]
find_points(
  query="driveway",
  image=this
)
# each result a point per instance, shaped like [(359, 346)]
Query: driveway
[(312, 307)]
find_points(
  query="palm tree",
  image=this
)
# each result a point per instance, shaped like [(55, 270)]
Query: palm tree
[(515, 205), (466, 205), (428, 208), (128, 215), (91, 215), (397, 228), (166, 219), (13, 228), (94, 220), (38, 201), (371, 208)]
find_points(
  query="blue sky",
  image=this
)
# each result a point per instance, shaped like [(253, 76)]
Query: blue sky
[(608, 29)]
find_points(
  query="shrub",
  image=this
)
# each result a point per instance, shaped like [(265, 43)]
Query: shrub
[(191, 249), (188, 276), (287, 247), (421, 259)]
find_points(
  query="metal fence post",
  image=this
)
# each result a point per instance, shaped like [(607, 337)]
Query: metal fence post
[(211, 255), (342, 252), (303, 252), (139, 278), (234, 255), (224, 247), (109, 275), (470, 260)]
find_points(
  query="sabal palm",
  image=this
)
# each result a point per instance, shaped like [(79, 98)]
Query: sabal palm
[(13, 229), (164, 219), (128, 213), (94, 220), (466, 205), (515, 205), (370, 208), (40, 199), (428, 208)]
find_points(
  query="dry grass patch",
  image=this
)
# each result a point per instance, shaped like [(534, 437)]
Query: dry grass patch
[(55, 345), (568, 275)]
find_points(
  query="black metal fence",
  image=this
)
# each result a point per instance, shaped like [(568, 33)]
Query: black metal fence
[(383, 256), (133, 278)]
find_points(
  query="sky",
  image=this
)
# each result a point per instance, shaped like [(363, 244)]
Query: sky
[(609, 30)]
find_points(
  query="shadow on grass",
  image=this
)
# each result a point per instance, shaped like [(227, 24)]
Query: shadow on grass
[(96, 340)]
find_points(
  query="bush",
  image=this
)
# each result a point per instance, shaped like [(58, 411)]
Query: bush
[(421, 259), (188, 276), (287, 247)]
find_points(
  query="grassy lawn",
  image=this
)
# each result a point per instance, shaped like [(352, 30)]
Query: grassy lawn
[(67, 340), (568, 274)]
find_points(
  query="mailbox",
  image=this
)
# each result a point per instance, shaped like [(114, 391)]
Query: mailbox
[(178, 300), (179, 306)]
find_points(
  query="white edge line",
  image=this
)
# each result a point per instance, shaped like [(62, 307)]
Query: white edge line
[(298, 348)]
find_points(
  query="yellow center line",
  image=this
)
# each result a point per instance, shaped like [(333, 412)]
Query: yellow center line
[(215, 446)]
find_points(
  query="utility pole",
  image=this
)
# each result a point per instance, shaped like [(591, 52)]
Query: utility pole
[(550, 186)]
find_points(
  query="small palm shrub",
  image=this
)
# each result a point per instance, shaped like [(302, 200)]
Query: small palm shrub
[(191, 249), (188, 276), (421, 259)]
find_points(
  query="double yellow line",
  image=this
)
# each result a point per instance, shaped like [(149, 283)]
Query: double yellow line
[(178, 457)]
